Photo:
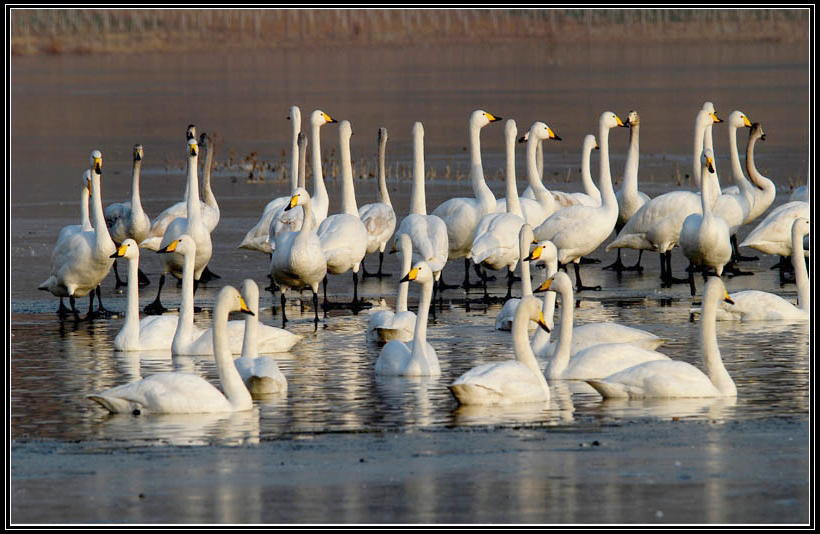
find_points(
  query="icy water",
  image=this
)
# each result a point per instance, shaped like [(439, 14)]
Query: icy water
[(63, 107)]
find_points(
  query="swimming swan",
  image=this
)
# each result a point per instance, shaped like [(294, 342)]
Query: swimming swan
[(379, 218), (386, 325), (512, 381), (595, 361), (260, 373), (675, 378), (178, 392), (415, 357), (578, 230)]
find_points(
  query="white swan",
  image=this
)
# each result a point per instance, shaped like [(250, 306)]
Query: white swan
[(461, 215), (343, 235), (535, 137), (128, 219), (194, 226), (773, 234), (283, 219), (428, 233), (512, 381), (320, 200), (379, 218), (210, 208), (415, 357), (765, 190), (657, 224), (705, 237), (81, 259), (754, 305), (675, 378), (257, 237), (595, 361), (297, 260), (578, 230), (260, 373), (591, 196), (585, 335), (630, 200), (495, 240), (505, 318), (386, 325), (155, 332), (177, 392)]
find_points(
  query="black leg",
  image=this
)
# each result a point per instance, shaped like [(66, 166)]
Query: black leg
[(119, 282), (381, 262), (315, 310), (208, 275), (284, 319), (579, 286), (143, 279), (617, 265), (736, 255), (156, 307), (324, 288)]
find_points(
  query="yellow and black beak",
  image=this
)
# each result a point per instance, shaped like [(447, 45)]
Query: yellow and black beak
[(171, 247), (535, 254), (138, 153), (710, 164), (746, 122), (552, 135), (194, 148), (414, 272), (120, 252), (491, 117), (243, 307), (621, 123), (541, 322), (715, 118), (98, 165), (544, 287), (328, 118), (727, 299), (292, 204)]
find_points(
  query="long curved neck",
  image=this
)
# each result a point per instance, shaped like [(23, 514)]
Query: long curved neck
[(308, 219), (250, 341), (586, 174), (801, 275), (185, 323), (481, 191), (348, 190), (526, 281), (539, 159), (521, 340), (192, 202), (513, 202), (384, 193), (404, 287), (319, 197), (103, 244), (560, 358), (294, 157), (419, 351), (418, 202), (85, 219), (608, 199), (136, 202), (758, 179), (207, 192), (302, 161), (630, 184), (541, 193), (711, 353), (132, 309), (707, 195), (232, 384), (737, 169)]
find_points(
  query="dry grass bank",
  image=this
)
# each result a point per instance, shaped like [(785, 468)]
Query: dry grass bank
[(90, 31)]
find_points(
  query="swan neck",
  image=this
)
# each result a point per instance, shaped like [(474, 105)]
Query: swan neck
[(307, 219), (419, 351), (103, 243), (526, 281), (132, 310), (319, 190), (348, 188), (232, 384), (560, 358), (185, 324), (384, 193), (481, 191), (85, 219), (136, 202), (250, 341), (541, 193), (418, 202), (712, 360), (207, 192), (539, 158), (404, 287), (192, 202), (632, 160), (521, 340), (700, 134), (737, 169), (608, 199), (801, 275), (758, 179), (513, 202), (295, 157)]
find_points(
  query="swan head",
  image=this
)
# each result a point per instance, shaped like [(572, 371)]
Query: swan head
[(756, 132), (418, 130), (800, 227), (296, 117), (250, 292), (738, 119), (530, 309), (421, 273), (544, 251), (345, 131), (510, 129), (481, 118), (559, 283), (139, 153), (229, 298), (382, 135), (541, 132), (96, 161), (190, 133), (716, 291), (707, 159), (299, 198), (193, 148), (402, 243), (590, 143), (320, 118), (128, 250), (611, 120), (633, 119), (184, 245)]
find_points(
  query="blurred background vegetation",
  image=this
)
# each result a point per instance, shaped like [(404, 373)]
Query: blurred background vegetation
[(132, 30)]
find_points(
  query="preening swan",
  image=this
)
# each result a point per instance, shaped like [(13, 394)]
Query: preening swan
[(379, 218), (386, 325), (512, 381), (415, 357), (754, 305), (578, 230), (261, 374), (664, 378), (155, 332), (297, 260), (461, 215), (176, 392), (81, 260), (194, 226), (705, 236), (343, 235), (596, 360), (128, 219)]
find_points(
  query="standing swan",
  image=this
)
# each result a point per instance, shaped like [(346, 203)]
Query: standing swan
[(297, 260), (512, 381), (415, 357), (379, 218), (80, 262), (183, 393), (193, 225), (658, 379), (461, 215), (128, 219), (260, 374), (765, 190), (343, 235), (578, 230), (386, 325), (320, 200), (537, 134)]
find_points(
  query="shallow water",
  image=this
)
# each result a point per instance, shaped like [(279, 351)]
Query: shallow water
[(65, 106)]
